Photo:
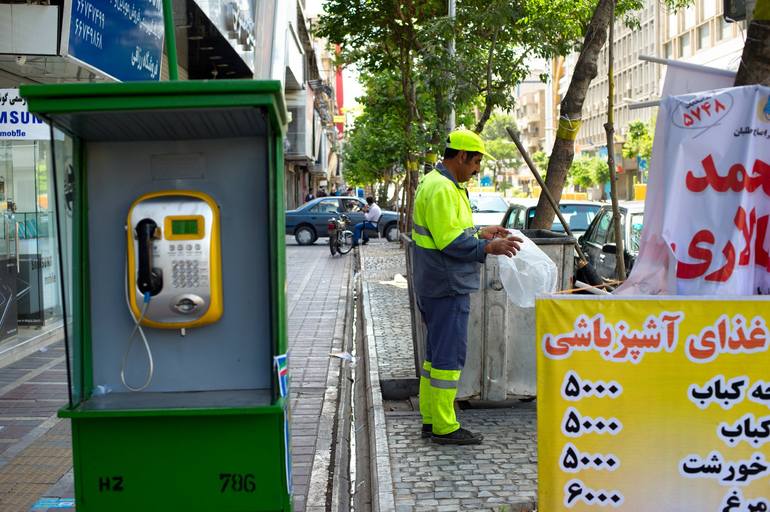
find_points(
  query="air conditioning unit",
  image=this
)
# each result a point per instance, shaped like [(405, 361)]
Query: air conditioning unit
[(297, 134)]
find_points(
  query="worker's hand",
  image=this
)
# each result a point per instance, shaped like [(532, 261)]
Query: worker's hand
[(508, 246), (490, 232)]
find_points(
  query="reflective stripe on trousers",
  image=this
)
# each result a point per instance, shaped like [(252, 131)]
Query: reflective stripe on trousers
[(438, 389)]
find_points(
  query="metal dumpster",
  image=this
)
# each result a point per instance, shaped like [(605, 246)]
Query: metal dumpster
[(501, 361)]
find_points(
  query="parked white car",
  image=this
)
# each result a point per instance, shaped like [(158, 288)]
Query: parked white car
[(488, 209)]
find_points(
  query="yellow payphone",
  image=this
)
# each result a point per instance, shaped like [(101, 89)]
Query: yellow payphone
[(174, 268), (174, 255)]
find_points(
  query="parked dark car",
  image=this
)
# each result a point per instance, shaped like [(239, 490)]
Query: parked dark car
[(309, 222), (598, 242), (578, 215)]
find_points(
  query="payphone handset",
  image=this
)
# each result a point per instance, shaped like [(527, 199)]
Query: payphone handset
[(174, 271)]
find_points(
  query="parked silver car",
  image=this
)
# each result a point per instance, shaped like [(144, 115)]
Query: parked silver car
[(598, 242), (578, 215)]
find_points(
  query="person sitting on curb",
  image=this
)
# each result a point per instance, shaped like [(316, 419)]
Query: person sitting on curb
[(371, 217), (447, 258)]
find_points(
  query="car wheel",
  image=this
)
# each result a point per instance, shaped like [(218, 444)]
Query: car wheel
[(305, 235), (391, 232)]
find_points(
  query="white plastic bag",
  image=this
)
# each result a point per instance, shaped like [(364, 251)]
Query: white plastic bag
[(529, 273)]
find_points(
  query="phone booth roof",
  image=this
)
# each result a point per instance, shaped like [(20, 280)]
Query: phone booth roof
[(161, 110)]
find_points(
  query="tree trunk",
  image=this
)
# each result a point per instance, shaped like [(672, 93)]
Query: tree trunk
[(755, 62), (571, 111), (393, 201)]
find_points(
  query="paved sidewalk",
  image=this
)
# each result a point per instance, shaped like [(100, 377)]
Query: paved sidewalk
[(35, 445), (317, 289), (500, 474), (385, 275)]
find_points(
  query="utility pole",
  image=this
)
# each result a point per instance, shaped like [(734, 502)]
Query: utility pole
[(450, 122)]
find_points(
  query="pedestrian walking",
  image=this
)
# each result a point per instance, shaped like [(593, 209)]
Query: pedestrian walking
[(309, 196), (371, 217), (448, 254)]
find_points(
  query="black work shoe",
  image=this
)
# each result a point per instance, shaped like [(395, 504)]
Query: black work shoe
[(459, 436), (427, 430), (366, 241)]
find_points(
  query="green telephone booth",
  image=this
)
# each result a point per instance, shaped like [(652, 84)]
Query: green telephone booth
[(171, 227)]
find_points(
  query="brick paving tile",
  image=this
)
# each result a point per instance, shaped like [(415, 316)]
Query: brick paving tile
[(503, 470), (500, 472), (384, 271)]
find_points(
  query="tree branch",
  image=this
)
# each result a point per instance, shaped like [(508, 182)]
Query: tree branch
[(488, 103)]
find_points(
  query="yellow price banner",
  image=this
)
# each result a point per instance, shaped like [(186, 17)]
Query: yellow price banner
[(654, 404)]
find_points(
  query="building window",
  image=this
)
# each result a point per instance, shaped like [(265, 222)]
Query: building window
[(709, 9), (668, 50), (684, 44), (673, 26), (704, 36), (725, 29), (689, 17)]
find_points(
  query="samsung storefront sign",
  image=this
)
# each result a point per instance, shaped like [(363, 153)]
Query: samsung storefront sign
[(16, 123), (121, 39)]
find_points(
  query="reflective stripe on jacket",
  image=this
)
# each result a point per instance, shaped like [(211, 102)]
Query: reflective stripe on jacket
[(447, 253)]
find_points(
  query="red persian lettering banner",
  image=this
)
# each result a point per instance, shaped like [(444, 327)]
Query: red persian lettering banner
[(708, 199)]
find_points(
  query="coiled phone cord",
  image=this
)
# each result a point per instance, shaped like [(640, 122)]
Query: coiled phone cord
[(138, 327)]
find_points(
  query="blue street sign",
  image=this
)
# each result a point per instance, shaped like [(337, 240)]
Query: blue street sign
[(486, 181), (122, 39)]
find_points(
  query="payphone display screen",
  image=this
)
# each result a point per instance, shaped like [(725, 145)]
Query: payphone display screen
[(184, 227)]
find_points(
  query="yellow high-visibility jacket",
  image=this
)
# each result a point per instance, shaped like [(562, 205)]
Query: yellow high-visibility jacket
[(447, 254)]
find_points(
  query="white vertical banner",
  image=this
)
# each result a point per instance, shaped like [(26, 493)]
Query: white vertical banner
[(16, 123), (707, 210)]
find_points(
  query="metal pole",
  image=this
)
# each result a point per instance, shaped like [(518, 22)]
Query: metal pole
[(549, 94), (609, 127), (450, 123), (168, 25)]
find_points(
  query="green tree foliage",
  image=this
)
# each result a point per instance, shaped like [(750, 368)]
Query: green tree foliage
[(600, 171), (586, 172), (639, 141), (374, 147), (540, 159), (499, 144), (496, 38)]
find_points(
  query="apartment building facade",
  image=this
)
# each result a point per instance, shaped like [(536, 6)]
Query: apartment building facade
[(698, 34)]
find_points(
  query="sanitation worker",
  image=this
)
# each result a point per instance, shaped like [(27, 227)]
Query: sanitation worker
[(448, 253)]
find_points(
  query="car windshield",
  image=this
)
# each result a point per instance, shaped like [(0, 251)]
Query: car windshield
[(637, 222), (578, 216), (489, 204)]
